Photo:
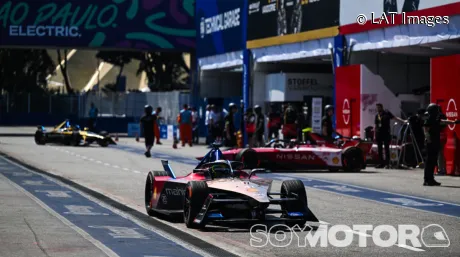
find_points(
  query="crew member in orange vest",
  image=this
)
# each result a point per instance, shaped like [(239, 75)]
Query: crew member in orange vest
[(250, 120), (185, 125)]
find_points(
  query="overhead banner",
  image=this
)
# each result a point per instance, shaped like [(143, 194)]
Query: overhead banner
[(359, 16), (114, 24), (220, 26), (276, 22)]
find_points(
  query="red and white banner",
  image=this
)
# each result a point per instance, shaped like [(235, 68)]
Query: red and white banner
[(358, 91), (445, 78), (369, 13)]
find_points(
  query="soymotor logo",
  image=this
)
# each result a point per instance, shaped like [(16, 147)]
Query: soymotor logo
[(408, 236)]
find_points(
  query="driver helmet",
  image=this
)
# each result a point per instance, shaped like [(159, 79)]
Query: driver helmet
[(257, 108), (220, 170)]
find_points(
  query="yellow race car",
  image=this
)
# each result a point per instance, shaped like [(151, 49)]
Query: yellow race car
[(68, 134)]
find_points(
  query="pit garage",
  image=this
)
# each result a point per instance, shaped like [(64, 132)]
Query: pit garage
[(291, 54), (405, 68)]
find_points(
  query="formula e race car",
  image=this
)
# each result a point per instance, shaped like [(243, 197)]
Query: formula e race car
[(219, 191), (68, 134), (345, 153)]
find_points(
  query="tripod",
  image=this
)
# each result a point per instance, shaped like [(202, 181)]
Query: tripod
[(402, 162)]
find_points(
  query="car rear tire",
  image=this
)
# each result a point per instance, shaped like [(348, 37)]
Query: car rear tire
[(103, 142), (195, 195), (40, 138), (149, 189), (248, 157), (294, 188), (353, 160)]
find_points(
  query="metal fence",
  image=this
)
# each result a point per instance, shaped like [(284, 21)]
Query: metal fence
[(109, 104)]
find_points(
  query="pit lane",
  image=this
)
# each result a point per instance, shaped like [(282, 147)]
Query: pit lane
[(119, 173)]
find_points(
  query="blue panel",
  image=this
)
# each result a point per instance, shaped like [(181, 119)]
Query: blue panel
[(220, 26)]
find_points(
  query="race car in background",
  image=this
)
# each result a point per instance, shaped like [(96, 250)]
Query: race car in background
[(68, 134), (348, 154), (220, 192)]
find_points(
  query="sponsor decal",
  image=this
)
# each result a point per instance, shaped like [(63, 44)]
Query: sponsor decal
[(252, 189), (103, 23), (335, 160), (164, 198), (220, 22), (451, 112), (175, 191), (304, 157), (346, 111)]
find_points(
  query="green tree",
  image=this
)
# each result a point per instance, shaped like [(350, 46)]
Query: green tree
[(164, 70), (25, 70)]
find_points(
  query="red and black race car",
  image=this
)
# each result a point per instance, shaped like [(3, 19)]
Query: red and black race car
[(220, 191), (348, 154)]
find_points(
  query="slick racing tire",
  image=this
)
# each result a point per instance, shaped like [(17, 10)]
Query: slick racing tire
[(75, 140), (149, 189), (103, 142), (40, 138), (352, 160), (290, 189), (248, 157), (195, 195)]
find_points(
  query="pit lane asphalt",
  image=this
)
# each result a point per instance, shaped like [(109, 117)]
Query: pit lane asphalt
[(120, 174)]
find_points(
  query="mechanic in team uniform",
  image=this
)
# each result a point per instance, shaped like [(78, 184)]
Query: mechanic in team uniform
[(289, 126), (416, 124), (274, 123), (229, 127), (250, 121), (443, 142), (148, 122), (93, 113), (302, 122), (432, 128), (383, 133), (260, 126), (326, 123)]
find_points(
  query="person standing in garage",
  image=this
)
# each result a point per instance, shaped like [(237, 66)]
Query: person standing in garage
[(156, 113), (443, 142), (326, 123), (383, 133), (260, 126), (432, 129), (274, 123), (289, 123), (185, 128), (229, 127)]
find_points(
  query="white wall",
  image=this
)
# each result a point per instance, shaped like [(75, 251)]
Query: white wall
[(401, 73)]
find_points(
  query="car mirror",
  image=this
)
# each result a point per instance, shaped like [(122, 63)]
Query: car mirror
[(255, 171)]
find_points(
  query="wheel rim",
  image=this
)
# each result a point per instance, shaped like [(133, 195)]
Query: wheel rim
[(149, 194)]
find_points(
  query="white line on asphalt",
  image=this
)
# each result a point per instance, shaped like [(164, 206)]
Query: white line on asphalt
[(125, 169), (83, 233), (415, 249), (107, 164), (98, 161), (136, 171), (115, 166), (77, 155), (84, 157), (91, 159)]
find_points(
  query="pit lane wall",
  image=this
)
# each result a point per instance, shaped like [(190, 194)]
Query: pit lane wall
[(358, 90), (445, 78)]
